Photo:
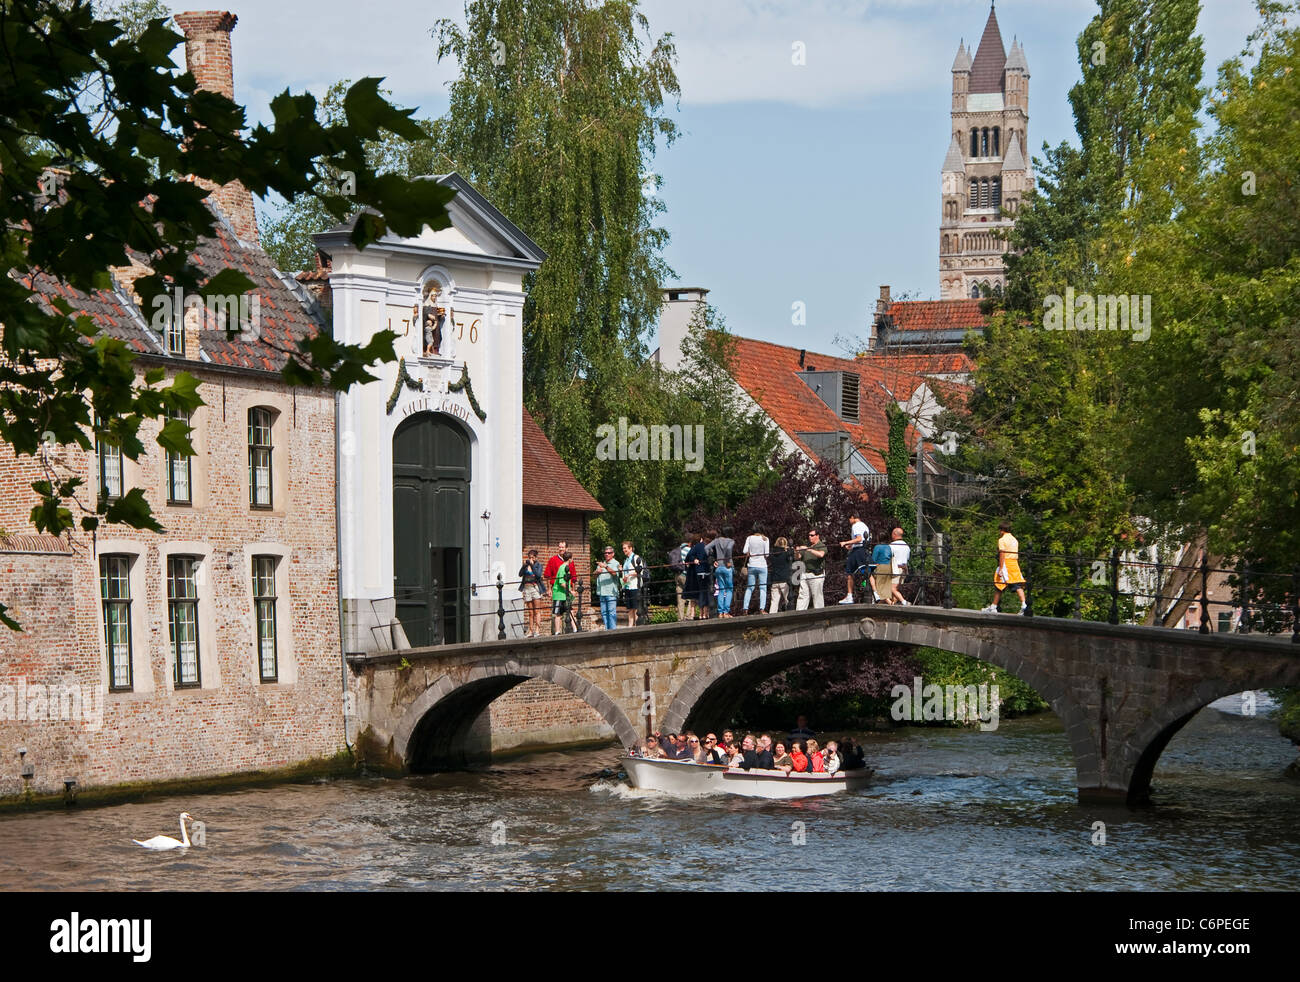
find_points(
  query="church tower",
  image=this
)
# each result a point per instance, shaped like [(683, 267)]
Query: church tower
[(986, 173)]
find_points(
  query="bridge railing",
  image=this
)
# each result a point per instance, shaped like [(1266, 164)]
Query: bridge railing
[(1113, 588), (1121, 587)]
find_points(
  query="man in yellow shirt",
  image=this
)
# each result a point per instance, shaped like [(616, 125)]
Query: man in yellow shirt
[(1008, 572)]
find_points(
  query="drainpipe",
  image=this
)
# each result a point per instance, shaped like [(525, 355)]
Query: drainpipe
[(338, 580)]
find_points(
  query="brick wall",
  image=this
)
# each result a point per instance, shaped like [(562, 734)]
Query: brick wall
[(538, 711), (234, 722)]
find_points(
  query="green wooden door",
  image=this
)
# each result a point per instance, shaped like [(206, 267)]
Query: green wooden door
[(431, 474)]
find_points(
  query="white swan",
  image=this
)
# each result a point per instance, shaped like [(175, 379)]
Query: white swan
[(166, 841)]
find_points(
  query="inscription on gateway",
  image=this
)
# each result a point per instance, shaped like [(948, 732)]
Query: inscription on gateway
[(427, 404)]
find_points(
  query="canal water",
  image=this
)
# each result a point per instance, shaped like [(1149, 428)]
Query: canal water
[(951, 809)]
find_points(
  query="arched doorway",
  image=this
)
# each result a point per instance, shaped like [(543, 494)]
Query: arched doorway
[(431, 475)]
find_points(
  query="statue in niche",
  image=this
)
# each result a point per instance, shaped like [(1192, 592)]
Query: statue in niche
[(432, 318)]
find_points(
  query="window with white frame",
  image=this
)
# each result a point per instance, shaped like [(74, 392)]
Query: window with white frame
[(108, 459), (115, 597), (264, 610), (179, 485), (183, 619), (259, 457)]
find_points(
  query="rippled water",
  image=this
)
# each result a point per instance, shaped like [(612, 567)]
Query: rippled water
[(950, 809)]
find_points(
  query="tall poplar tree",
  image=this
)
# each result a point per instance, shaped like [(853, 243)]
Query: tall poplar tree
[(555, 117)]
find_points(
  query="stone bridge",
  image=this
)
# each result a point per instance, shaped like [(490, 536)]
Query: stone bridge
[(1121, 691)]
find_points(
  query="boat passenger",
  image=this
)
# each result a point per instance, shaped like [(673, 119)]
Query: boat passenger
[(712, 751), (694, 751), (737, 757), (684, 751), (650, 748), (831, 758), (764, 753), (798, 760), (801, 731), (851, 756), (728, 738), (781, 760), (815, 758)]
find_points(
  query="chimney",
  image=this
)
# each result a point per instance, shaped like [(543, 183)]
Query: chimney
[(882, 305), (208, 59)]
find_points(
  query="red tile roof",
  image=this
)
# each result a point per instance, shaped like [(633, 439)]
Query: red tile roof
[(548, 482), (936, 315), (284, 318), (769, 374)]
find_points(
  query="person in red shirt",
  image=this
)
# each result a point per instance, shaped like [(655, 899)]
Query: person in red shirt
[(798, 758), (815, 758), (553, 567)]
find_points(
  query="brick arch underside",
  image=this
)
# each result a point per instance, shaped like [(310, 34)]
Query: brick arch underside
[(717, 689), (1142, 749), (434, 731)]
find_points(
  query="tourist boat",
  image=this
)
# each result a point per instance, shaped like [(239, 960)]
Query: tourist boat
[(686, 778)]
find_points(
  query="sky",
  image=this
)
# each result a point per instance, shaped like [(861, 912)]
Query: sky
[(811, 183)]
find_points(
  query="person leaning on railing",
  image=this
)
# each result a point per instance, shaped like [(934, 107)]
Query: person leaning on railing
[(530, 586)]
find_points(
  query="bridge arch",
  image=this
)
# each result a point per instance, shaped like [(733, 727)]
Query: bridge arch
[(433, 731), (1142, 749), (717, 687)]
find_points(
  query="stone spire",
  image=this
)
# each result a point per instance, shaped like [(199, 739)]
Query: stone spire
[(990, 62), (1014, 160), (962, 62), (954, 163), (1016, 59)]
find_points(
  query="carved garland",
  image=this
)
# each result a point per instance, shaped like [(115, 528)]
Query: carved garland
[(404, 378), (464, 385)]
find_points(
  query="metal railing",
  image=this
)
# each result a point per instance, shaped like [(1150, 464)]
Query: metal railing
[(1065, 584)]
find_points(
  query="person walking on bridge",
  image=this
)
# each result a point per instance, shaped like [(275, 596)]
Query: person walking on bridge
[(608, 582), (1008, 572)]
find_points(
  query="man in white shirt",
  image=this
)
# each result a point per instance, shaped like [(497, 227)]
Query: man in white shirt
[(631, 582), (756, 549), (856, 544), (902, 556)]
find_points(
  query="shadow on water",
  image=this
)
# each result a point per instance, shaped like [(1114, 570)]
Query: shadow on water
[(950, 809)]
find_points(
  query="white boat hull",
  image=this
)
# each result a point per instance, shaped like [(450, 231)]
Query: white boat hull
[(684, 778)]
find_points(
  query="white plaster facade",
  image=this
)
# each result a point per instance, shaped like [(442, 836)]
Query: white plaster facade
[(478, 264)]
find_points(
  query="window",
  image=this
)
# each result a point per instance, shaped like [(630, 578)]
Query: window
[(115, 595), (984, 193), (974, 193), (984, 142), (178, 470), (183, 619), (974, 143), (974, 291), (109, 459), (997, 134), (259, 458), (997, 289), (264, 609), (173, 332), (997, 192)]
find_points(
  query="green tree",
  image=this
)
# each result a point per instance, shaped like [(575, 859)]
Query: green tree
[(1215, 389), (1049, 407), (97, 131), (286, 235), (555, 117), (739, 439)]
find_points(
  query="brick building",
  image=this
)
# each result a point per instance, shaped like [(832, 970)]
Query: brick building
[(211, 648)]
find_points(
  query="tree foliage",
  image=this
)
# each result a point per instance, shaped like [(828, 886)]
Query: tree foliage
[(555, 117), (104, 111)]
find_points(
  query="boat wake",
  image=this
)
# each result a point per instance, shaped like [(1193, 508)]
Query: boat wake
[(617, 789)]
